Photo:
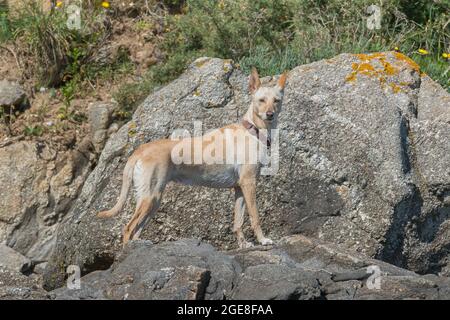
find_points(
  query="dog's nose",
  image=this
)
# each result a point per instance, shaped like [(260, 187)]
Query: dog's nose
[(269, 115)]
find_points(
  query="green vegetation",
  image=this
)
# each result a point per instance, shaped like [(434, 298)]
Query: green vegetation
[(275, 35), (33, 130), (272, 35)]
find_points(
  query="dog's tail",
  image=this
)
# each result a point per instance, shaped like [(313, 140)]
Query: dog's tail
[(126, 182)]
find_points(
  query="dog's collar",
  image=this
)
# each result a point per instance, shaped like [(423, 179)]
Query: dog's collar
[(253, 130)]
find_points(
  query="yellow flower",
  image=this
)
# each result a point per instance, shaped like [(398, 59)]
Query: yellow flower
[(396, 49), (446, 55), (59, 4), (105, 4), (423, 51)]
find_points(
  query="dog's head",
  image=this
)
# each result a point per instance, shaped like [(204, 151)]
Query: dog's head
[(266, 101)]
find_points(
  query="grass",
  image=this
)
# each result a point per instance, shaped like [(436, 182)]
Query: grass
[(275, 35), (51, 52)]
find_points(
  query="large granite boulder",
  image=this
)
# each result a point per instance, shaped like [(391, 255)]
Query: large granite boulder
[(364, 157)]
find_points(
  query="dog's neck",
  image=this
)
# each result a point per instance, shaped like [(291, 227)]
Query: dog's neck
[(252, 117)]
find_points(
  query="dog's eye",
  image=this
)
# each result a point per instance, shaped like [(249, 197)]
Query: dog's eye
[(262, 100), (277, 100)]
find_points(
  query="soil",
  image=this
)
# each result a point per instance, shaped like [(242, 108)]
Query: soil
[(48, 118)]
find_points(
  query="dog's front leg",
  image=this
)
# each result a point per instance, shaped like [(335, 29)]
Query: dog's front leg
[(239, 211), (248, 187)]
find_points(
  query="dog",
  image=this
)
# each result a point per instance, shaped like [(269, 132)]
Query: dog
[(152, 165)]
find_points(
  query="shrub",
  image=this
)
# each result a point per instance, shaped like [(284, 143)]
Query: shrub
[(51, 51), (274, 35)]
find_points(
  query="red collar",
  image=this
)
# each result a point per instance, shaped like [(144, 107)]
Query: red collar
[(253, 130)]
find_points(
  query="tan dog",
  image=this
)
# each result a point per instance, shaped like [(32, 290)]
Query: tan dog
[(228, 157)]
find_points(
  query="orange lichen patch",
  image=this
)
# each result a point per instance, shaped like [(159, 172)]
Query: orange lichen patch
[(372, 65), (388, 68), (410, 62), (351, 77), (368, 57), (395, 88), (365, 68)]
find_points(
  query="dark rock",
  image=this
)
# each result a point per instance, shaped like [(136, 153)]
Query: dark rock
[(189, 269), (16, 286), (186, 269)]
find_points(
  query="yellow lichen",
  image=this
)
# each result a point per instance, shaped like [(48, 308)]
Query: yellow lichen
[(388, 68), (200, 62), (395, 88), (381, 69), (366, 67), (411, 63), (368, 57), (351, 77), (132, 129)]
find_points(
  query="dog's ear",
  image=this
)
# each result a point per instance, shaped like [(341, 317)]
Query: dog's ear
[(282, 80), (254, 83)]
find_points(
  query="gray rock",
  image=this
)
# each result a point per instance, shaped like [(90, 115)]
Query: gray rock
[(189, 269), (12, 95), (16, 286), (349, 169), (13, 260), (275, 282), (186, 269), (37, 186), (100, 118)]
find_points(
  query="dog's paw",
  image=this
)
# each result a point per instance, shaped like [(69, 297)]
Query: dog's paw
[(266, 242), (245, 245)]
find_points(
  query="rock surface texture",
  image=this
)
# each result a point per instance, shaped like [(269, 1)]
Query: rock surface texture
[(298, 268), (12, 96), (37, 187), (364, 163)]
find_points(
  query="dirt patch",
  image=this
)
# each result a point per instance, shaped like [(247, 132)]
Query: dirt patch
[(134, 36)]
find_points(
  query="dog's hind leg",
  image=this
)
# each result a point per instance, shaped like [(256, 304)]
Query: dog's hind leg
[(239, 211), (144, 212), (150, 184)]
